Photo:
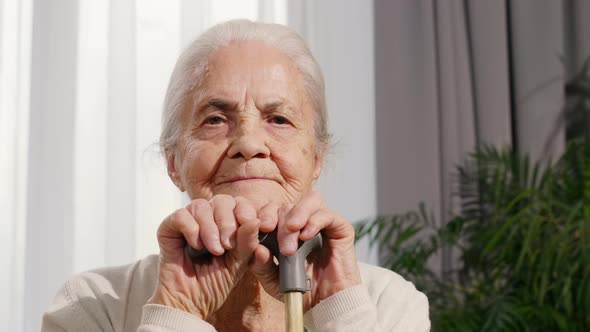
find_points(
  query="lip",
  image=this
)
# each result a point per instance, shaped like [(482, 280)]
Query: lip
[(244, 179)]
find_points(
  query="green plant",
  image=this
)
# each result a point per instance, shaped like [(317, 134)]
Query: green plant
[(523, 238)]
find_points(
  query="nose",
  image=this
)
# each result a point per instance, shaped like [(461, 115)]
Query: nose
[(248, 142)]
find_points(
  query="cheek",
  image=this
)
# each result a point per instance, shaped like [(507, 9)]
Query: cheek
[(296, 161), (201, 158)]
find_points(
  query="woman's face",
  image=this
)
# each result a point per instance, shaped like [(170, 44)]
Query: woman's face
[(247, 130)]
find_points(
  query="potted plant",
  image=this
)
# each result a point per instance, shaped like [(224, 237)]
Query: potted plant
[(522, 238)]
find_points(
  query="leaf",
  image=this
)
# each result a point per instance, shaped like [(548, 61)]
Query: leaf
[(522, 238)]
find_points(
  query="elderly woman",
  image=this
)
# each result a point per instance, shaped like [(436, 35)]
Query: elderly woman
[(244, 134)]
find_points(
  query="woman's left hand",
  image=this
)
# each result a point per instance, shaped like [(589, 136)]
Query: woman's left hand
[(333, 268)]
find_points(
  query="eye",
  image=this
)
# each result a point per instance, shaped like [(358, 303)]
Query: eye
[(279, 120), (215, 120)]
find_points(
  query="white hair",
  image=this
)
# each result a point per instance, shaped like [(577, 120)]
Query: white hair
[(191, 68)]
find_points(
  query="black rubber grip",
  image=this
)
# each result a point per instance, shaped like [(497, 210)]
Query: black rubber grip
[(292, 274)]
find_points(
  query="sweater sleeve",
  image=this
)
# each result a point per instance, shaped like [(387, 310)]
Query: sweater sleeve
[(75, 308), (354, 310), (347, 310), (67, 314), (159, 318)]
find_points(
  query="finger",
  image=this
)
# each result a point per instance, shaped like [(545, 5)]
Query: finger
[(316, 223), (332, 225), (244, 211), (266, 271), (245, 214), (246, 239), (223, 213), (269, 217), (176, 228), (288, 240), (309, 204), (209, 233)]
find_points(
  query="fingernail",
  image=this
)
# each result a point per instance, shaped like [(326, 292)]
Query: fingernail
[(219, 247)]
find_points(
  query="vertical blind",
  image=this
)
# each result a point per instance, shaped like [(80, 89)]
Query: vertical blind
[(82, 183)]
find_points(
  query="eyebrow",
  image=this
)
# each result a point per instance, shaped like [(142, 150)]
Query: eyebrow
[(282, 106), (227, 105), (221, 104), (273, 105)]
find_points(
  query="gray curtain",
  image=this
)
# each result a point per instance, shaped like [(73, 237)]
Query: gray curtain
[(454, 74)]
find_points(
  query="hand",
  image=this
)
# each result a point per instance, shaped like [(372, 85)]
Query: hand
[(332, 269), (228, 228)]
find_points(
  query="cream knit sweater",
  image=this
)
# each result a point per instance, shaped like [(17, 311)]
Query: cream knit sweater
[(114, 299)]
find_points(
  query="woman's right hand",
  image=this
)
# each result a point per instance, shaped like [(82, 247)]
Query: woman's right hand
[(228, 228)]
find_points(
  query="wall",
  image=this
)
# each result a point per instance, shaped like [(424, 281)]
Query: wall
[(86, 184)]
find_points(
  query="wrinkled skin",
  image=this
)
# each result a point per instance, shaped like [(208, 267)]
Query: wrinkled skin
[(247, 157)]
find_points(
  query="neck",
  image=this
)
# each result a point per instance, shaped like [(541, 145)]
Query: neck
[(249, 306)]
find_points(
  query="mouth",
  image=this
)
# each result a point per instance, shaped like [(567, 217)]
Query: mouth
[(243, 179)]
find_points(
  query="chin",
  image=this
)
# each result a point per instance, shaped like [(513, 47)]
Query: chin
[(259, 194)]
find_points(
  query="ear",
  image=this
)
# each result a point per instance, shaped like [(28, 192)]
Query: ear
[(319, 164), (173, 173)]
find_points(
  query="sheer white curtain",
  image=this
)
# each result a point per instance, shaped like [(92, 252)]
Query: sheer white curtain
[(82, 183), (15, 30)]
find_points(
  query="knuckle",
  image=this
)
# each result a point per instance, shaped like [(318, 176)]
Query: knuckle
[(199, 204), (348, 227), (179, 216), (330, 213), (269, 210), (316, 218), (245, 213), (243, 203), (223, 199), (177, 221)]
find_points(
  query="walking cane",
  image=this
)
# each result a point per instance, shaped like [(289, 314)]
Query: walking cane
[(293, 281)]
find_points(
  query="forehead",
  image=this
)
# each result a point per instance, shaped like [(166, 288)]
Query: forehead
[(252, 67)]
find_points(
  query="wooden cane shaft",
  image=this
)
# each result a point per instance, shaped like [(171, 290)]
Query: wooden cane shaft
[(294, 312)]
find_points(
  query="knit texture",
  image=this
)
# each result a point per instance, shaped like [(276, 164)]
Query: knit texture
[(162, 318), (114, 299)]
